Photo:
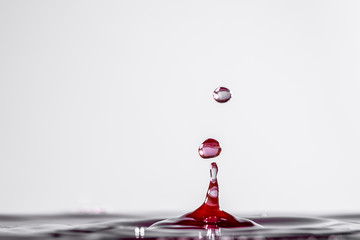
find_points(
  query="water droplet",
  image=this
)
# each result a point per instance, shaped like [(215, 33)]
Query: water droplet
[(213, 172), (210, 148), (222, 94)]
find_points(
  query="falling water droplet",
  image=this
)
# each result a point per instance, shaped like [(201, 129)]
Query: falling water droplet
[(213, 172), (210, 148), (222, 94)]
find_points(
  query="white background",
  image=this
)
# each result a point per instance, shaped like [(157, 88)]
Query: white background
[(103, 105)]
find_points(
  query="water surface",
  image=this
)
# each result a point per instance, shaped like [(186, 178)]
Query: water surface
[(117, 226)]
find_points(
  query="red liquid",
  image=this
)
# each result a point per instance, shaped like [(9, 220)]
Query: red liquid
[(222, 94), (208, 215), (210, 148)]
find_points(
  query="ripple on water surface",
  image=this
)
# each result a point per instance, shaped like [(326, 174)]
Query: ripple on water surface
[(112, 226)]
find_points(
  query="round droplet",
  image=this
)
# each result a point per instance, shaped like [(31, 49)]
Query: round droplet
[(209, 148), (222, 94)]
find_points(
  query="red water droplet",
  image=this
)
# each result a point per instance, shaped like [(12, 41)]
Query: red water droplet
[(210, 148), (222, 94)]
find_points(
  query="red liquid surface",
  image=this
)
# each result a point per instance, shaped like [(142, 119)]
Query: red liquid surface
[(208, 215), (210, 148)]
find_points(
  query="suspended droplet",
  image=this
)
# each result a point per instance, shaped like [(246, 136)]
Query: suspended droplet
[(210, 148), (222, 94), (213, 172)]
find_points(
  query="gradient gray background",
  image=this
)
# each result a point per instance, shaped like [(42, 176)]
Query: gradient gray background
[(104, 103)]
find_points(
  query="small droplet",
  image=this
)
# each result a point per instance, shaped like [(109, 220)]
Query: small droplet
[(209, 148), (213, 172), (222, 94)]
